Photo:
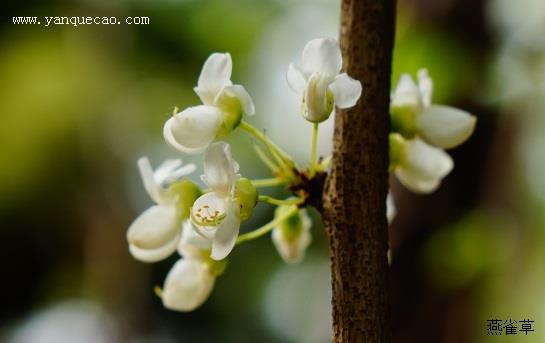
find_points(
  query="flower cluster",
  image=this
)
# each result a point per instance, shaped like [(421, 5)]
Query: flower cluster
[(420, 133), (202, 224)]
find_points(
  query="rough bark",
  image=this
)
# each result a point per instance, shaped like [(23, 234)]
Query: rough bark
[(354, 198)]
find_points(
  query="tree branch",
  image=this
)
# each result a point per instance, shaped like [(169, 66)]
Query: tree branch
[(354, 198)]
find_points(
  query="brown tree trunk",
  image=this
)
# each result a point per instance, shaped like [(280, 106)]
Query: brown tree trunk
[(354, 199)]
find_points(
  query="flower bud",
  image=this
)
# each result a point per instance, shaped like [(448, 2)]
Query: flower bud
[(187, 192), (232, 110), (403, 120), (153, 236), (318, 100), (397, 146), (247, 197), (187, 285), (292, 236)]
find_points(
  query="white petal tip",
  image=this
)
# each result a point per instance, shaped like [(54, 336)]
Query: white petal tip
[(346, 91), (187, 285), (153, 255), (193, 129), (444, 126)]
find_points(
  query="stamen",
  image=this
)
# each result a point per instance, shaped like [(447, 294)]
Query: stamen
[(204, 216)]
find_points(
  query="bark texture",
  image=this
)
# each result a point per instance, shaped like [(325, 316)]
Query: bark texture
[(354, 198)]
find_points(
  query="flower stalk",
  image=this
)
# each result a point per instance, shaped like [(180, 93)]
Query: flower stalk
[(275, 150), (274, 201), (269, 182), (314, 150), (265, 228)]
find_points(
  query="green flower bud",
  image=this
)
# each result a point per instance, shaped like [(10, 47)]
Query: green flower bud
[(291, 236), (292, 226), (397, 149), (403, 120), (247, 197), (187, 192), (231, 107)]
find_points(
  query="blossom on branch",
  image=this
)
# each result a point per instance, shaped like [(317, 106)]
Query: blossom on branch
[(191, 280), (216, 214), (319, 83), (421, 131), (291, 237), (413, 114), (154, 234), (192, 130), (417, 165)]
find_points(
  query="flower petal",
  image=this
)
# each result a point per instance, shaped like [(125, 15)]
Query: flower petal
[(227, 233), (155, 227), (193, 129), (415, 184), (187, 285), (427, 161), (165, 168), (296, 79), (220, 170), (292, 249), (445, 126), (323, 56), (193, 244), (425, 85), (215, 75), (406, 93), (153, 255), (172, 170), (423, 166), (238, 92), (153, 188), (317, 104), (208, 211), (391, 209), (346, 91)]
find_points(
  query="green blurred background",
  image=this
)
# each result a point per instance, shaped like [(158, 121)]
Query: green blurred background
[(79, 105)]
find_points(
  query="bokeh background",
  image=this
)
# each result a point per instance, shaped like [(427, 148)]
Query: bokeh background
[(79, 105)]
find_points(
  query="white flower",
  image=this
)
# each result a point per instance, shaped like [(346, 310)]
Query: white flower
[(217, 213), (193, 129), (319, 82), (413, 114), (192, 278), (154, 235), (418, 166), (292, 236), (422, 131)]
